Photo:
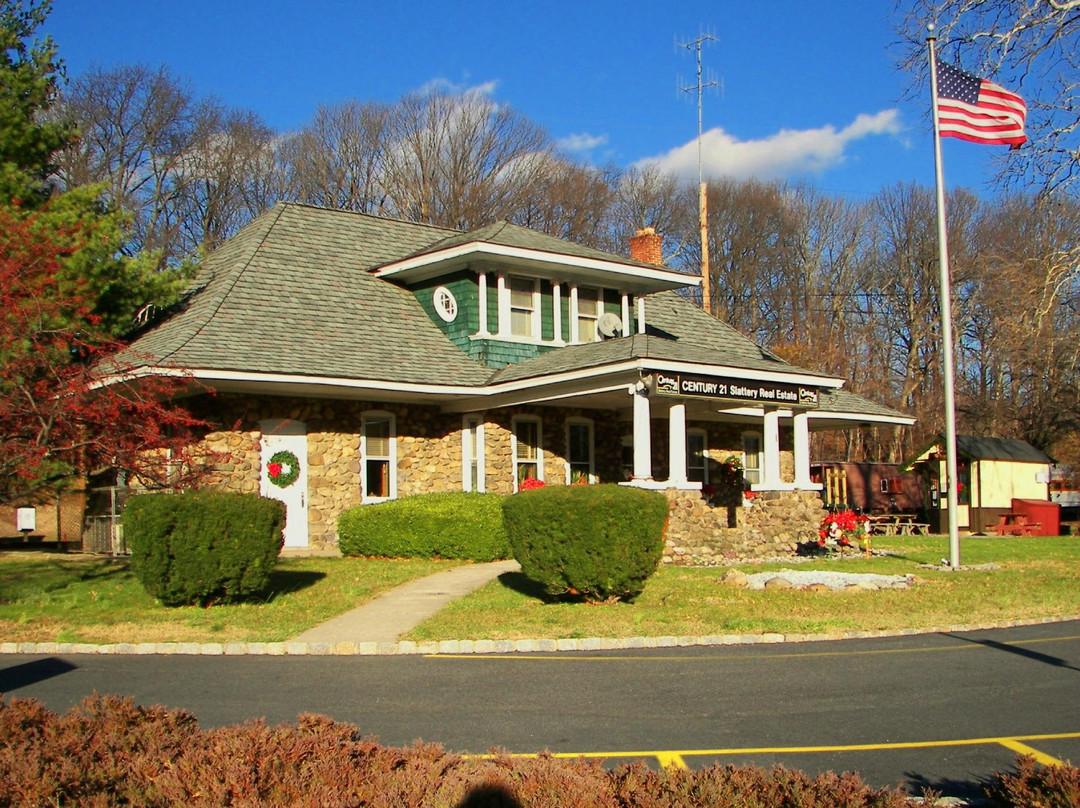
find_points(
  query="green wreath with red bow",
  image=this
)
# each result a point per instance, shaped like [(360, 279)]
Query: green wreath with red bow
[(283, 468)]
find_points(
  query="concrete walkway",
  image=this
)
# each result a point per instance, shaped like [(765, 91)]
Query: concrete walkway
[(398, 611)]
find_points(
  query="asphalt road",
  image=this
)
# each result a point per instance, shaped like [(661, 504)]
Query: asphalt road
[(943, 710)]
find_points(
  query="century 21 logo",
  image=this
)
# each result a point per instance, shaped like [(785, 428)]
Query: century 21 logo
[(667, 384)]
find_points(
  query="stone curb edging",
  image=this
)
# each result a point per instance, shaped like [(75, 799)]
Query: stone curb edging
[(406, 647)]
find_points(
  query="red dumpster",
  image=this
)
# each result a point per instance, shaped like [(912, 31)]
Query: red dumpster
[(1048, 514)]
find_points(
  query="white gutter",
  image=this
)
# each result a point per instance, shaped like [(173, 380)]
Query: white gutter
[(631, 366), (475, 248)]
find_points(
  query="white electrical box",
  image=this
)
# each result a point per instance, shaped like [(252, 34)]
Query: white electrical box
[(26, 519)]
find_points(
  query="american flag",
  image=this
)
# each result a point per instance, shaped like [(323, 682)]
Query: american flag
[(977, 110)]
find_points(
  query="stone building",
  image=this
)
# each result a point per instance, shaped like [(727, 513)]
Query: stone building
[(357, 359)]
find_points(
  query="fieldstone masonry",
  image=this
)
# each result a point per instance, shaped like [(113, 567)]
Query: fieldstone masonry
[(429, 451), (773, 523)]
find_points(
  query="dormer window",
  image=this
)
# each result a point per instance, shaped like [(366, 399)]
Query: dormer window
[(524, 304), (590, 305)]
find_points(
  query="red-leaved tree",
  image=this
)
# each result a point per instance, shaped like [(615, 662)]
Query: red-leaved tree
[(61, 413)]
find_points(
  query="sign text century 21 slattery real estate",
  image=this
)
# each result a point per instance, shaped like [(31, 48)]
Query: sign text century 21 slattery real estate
[(722, 387)]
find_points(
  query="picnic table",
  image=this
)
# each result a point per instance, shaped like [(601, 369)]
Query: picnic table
[(1015, 524), (896, 524)]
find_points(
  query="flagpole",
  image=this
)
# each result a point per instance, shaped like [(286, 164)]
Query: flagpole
[(946, 322)]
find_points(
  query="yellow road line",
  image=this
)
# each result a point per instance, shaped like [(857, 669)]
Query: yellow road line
[(570, 656), (670, 760), (1014, 743), (1024, 749)]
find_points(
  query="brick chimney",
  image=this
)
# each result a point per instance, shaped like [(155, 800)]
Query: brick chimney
[(645, 246)]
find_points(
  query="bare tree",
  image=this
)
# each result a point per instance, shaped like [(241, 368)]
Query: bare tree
[(647, 197), (1021, 377), (1030, 46), (183, 167), (747, 223), (567, 200), (459, 160), (338, 160), (220, 177)]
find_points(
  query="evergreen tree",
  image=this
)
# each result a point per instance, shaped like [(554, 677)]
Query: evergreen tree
[(29, 74), (66, 293), (30, 138)]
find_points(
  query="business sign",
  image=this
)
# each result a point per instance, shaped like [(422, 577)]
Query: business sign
[(689, 385)]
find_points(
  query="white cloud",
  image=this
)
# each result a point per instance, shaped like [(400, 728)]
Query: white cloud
[(790, 152), (583, 142), (443, 85)]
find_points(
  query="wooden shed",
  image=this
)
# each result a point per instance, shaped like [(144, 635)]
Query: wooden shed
[(869, 487), (991, 473)]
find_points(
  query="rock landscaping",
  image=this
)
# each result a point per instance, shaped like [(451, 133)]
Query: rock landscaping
[(819, 580)]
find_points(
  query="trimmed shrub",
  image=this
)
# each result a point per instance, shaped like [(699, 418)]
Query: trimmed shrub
[(597, 541), (450, 525), (202, 546)]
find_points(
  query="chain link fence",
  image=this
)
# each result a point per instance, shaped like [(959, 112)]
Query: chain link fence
[(102, 532)]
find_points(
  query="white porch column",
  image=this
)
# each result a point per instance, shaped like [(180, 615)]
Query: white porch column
[(481, 279), (770, 451), (677, 444), (500, 295), (574, 340), (801, 427), (625, 315), (556, 314), (641, 314), (642, 432)]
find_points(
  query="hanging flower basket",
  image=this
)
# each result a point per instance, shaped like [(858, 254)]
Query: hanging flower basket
[(283, 468)]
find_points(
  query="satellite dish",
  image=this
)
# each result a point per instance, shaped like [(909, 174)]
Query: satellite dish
[(609, 325)]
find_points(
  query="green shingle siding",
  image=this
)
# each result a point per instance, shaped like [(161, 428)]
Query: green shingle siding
[(492, 305), (497, 353), (547, 311), (463, 286), (613, 302)]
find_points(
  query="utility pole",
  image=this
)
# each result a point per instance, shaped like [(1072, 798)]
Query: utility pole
[(703, 205)]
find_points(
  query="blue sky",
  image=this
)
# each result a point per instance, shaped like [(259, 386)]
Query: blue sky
[(810, 90)]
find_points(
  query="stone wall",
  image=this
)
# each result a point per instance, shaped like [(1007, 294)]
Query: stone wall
[(429, 452), (773, 523)]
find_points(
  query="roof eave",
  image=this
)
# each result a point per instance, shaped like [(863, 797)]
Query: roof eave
[(556, 266)]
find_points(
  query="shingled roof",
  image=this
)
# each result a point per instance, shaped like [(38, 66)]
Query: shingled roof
[(507, 234), (293, 294), (677, 331)]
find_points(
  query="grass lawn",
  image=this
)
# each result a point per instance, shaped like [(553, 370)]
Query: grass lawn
[(1038, 577), (48, 598)]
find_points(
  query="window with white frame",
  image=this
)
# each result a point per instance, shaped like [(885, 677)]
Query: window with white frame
[(697, 456), (528, 456), (590, 305), (378, 457), (472, 454), (751, 442), (579, 452), (524, 304)]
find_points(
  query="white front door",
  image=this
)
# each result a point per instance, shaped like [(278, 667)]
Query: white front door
[(282, 440)]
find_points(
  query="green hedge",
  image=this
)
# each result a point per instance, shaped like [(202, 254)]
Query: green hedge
[(597, 541), (203, 546), (451, 525)]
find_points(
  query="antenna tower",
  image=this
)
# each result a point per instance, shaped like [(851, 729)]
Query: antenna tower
[(703, 83)]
